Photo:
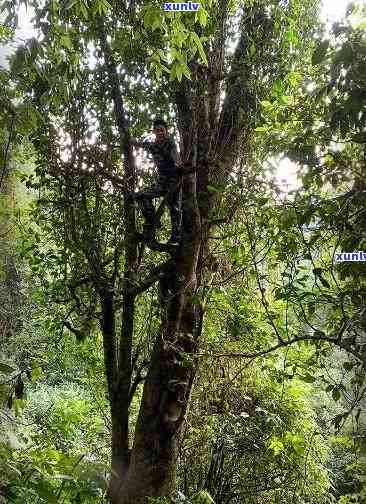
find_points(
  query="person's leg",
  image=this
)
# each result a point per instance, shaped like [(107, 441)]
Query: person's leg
[(148, 209)]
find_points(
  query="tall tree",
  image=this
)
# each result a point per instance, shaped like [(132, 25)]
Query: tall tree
[(89, 55)]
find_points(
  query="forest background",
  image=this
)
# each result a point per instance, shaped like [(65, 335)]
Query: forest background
[(231, 371)]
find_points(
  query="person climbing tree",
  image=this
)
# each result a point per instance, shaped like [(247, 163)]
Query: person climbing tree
[(166, 158)]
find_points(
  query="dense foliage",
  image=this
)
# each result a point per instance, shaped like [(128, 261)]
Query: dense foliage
[(277, 411)]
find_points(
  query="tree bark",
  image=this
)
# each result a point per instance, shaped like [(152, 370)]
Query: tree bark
[(172, 369), (119, 392)]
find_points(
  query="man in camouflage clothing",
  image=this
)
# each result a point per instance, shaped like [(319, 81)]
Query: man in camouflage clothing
[(166, 158)]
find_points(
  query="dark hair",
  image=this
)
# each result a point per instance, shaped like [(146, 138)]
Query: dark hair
[(160, 122)]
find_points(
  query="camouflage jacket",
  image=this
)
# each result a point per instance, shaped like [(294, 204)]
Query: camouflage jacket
[(165, 156)]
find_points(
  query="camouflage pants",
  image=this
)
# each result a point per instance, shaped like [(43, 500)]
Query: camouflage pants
[(169, 189)]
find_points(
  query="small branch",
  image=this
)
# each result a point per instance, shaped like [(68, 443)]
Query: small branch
[(109, 176), (155, 275), (81, 281), (75, 331), (262, 291), (138, 379), (156, 246), (283, 344)]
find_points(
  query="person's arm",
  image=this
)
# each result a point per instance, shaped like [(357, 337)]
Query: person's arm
[(140, 144), (182, 168)]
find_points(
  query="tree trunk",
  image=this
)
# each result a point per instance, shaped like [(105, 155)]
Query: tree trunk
[(10, 297), (172, 369), (120, 388)]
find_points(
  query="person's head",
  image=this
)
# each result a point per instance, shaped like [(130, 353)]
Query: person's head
[(160, 128)]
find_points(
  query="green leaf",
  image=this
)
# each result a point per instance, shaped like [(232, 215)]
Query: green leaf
[(266, 104), (162, 55), (36, 373), (201, 17), (186, 71), (311, 307), (6, 368), (297, 441), (346, 55), (288, 217), (280, 295), (199, 46), (66, 41), (104, 6), (278, 88), (348, 366), (294, 78), (83, 8), (262, 129), (336, 394), (173, 73), (180, 36), (277, 446), (308, 378), (164, 68), (202, 497), (64, 477), (324, 282), (176, 55), (291, 36), (179, 72), (19, 405), (158, 21), (159, 68), (14, 469), (153, 18), (148, 19), (71, 4)]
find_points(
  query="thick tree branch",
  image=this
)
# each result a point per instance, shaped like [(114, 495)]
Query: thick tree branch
[(138, 379), (183, 101), (72, 329), (241, 98), (215, 69), (232, 119), (155, 275), (120, 396)]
